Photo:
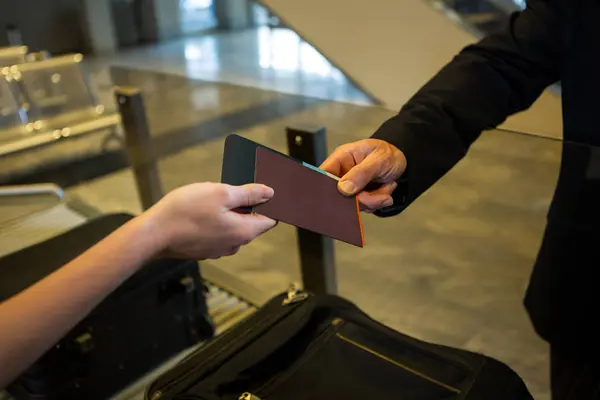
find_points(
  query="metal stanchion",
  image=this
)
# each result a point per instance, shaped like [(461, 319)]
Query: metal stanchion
[(139, 145), (317, 259)]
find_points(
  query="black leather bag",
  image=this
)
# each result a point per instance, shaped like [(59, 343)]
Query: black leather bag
[(304, 347), (154, 315)]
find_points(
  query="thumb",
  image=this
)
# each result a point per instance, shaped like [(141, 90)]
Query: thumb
[(248, 195), (360, 175)]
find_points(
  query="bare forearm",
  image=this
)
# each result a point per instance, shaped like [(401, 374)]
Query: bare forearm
[(195, 222), (34, 320)]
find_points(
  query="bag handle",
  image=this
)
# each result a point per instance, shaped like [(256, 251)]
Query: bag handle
[(264, 345)]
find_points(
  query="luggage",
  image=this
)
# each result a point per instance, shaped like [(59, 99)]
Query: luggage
[(154, 315), (304, 347)]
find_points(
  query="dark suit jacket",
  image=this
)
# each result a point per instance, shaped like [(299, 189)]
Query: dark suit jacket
[(504, 73)]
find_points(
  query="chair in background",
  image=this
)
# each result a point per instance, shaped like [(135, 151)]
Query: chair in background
[(56, 103), (12, 55), (37, 56), (10, 110), (14, 124), (57, 95)]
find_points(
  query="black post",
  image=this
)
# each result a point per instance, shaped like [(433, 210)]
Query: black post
[(317, 261), (139, 145)]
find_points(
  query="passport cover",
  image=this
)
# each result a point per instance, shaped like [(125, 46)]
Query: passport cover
[(239, 160), (307, 198)]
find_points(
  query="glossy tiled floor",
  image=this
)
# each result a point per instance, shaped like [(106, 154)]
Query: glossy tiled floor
[(451, 269), (272, 59)]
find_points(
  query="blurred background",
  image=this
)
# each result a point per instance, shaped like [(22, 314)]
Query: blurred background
[(451, 269)]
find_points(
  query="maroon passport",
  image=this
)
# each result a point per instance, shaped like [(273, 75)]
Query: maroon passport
[(307, 198)]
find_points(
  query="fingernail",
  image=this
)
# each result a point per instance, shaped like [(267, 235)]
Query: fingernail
[(347, 187), (394, 186), (269, 192), (388, 202)]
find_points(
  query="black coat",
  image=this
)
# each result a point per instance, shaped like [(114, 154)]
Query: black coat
[(550, 41)]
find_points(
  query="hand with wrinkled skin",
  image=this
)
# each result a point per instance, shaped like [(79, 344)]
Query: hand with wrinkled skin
[(369, 160)]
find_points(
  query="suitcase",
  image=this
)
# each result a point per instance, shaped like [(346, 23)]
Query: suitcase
[(305, 347), (154, 315)]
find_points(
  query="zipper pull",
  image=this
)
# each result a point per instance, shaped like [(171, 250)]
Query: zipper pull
[(248, 396), (294, 295), (156, 395)]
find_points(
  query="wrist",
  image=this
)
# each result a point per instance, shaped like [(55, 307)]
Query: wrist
[(151, 229)]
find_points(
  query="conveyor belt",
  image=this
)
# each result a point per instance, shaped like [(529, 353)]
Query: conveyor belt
[(225, 309)]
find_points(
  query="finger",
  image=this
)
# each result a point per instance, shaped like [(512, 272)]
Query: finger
[(377, 198), (360, 175), (223, 252), (247, 195), (334, 163), (372, 202), (231, 251), (386, 189), (341, 160)]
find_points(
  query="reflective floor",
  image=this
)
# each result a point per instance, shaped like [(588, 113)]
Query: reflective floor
[(267, 58), (452, 269), (448, 270)]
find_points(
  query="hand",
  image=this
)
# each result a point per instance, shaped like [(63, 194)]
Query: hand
[(198, 222), (365, 161)]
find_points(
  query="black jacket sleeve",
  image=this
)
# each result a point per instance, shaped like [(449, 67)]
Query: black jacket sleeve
[(484, 84)]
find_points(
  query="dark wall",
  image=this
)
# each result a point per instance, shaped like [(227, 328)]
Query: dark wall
[(52, 25)]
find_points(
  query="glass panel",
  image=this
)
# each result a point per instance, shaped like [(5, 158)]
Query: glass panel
[(10, 115), (55, 87), (12, 55)]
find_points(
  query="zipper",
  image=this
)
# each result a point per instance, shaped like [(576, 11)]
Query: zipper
[(333, 330), (171, 385), (456, 357), (319, 341), (396, 363), (248, 396), (293, 297)]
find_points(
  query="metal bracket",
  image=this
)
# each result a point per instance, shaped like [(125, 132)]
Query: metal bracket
[(139, 145), (33, 190), (317, 259)]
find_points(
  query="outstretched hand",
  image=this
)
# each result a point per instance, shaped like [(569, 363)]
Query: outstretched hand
[(198, 221), (365, 161)]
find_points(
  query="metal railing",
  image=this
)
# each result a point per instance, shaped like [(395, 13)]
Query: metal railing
[(33, 190)]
